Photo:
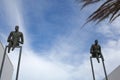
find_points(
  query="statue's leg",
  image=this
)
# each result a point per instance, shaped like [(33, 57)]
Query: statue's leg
[(102, 56), (15, 44), (9, 49), (13, 47), (97, 57), (9, 46)]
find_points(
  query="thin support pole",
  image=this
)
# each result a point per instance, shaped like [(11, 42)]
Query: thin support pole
[(92, 68), (105, 70), (3, 60), (18, 67)]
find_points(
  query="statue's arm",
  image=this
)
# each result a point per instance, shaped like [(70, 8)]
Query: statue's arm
[(91, 49), (101, 53), (100, 48), (9, 37), (22, 38)]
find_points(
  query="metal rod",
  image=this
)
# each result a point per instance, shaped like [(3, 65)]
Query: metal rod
[(3, 60), (92, 68), (18, 67), (105, 70)]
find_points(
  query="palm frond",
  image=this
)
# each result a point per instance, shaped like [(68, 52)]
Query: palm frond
[(88, 2), (110, 8)]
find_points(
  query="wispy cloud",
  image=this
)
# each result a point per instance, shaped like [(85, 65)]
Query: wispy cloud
[(13, 13), (36, 67), (110, 30)]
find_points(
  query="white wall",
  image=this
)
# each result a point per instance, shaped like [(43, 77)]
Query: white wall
[(114, 75), (7, 68)]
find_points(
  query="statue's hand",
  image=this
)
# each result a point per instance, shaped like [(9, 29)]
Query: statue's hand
[(20, 42)]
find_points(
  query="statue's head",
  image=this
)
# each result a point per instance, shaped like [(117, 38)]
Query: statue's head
[(96, 42), (16, 28)]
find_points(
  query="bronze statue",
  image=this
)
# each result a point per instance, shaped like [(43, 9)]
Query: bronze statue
[(95, 50), (14, 38)]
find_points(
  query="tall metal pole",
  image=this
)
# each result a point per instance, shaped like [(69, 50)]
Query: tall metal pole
[(18, 67), (105, 70), (92, 68), (3, 60)]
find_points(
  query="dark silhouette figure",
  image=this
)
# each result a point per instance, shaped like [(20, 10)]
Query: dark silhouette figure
[(95, 50), (15, 38)]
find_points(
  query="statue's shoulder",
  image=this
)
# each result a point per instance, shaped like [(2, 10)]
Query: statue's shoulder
[(12, 32), (98, 45), (93, 45), (20, 33)]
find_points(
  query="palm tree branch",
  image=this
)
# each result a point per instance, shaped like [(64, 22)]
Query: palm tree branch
[(109, 8), (87, 2)]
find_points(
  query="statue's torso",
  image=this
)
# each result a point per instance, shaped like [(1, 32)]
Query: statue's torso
[(16, 36), (96, 48)]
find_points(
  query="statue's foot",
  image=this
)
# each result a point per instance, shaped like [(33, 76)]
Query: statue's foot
[(102, 58), (12, 49), (8, 50), (98, 60)]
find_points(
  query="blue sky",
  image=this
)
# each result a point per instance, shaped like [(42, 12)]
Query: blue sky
[(51, 20), (56, 48)]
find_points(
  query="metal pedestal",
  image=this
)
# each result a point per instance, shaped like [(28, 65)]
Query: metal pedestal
[(93, 68), (18, 66)]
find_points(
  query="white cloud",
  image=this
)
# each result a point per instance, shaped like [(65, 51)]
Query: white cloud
[(35, 67), (38, 67), (13, 13), (110, 30), (106, 30)]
